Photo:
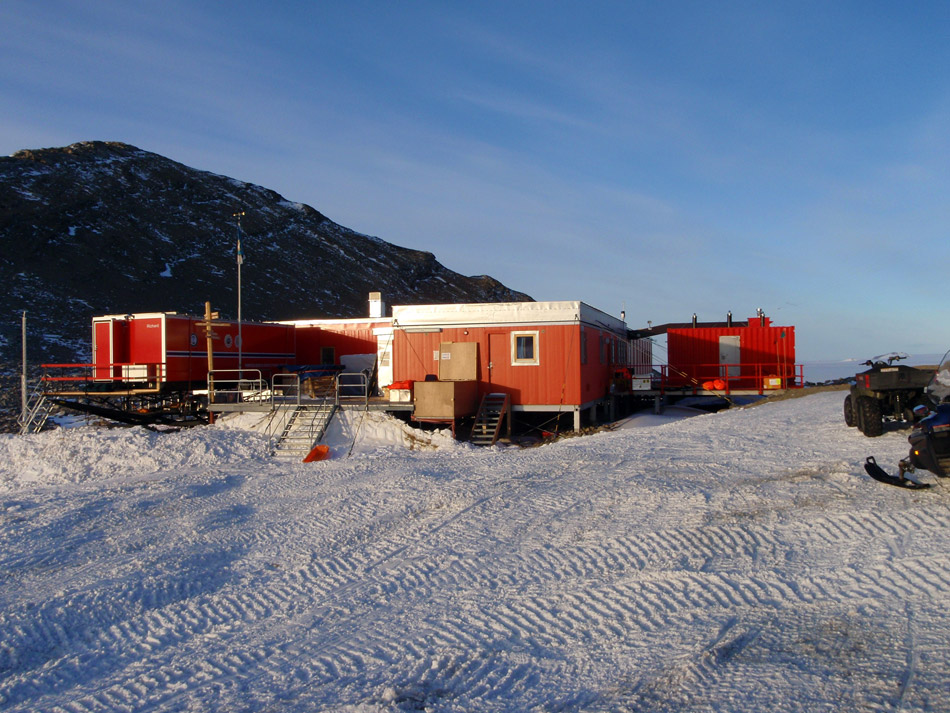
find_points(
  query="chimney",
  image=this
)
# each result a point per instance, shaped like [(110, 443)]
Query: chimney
[(377, 308)]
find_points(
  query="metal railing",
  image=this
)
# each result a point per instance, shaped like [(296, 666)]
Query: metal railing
[(728, 378), (285, 400), (285, 388), (98, 377), (353, 387), (295, 410), (237, 386)]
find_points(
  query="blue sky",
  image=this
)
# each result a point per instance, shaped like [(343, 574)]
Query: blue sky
[(669, 158)]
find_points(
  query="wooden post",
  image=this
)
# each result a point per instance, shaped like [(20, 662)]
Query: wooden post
[(209, 323), (209, 333)]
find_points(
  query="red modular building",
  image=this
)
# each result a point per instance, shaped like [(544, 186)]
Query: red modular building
[(328, 341), (740, 357), (547, 356), (171, 349)]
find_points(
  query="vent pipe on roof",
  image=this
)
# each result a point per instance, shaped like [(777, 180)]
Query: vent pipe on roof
[(377, 308), (729, 318), (761, 314), (694, 319)]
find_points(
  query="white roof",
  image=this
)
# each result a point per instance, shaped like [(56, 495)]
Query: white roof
[(134, 315), (512, 313), (330, 321), (470, 315)]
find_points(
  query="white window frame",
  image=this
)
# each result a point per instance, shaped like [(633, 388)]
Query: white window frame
[(515, 361)]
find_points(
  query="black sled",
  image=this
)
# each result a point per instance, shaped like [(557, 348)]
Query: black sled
[(900, 481)]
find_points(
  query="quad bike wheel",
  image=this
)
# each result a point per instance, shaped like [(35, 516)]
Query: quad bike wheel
[(849, 411), (871, 419)]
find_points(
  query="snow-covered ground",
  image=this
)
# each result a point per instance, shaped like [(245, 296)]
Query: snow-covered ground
[(740, 561)]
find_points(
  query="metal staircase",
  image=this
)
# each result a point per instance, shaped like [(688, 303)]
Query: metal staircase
[(491, 413), (304, 428), (303, 424), (38, 409)]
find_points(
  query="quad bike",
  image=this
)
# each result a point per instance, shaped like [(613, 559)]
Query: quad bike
[(885, 392), (930, 438)]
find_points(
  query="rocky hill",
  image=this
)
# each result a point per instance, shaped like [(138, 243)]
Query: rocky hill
[(105, 228)]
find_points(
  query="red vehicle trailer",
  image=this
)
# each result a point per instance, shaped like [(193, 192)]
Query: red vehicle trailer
[(547, 356), (171, 349)]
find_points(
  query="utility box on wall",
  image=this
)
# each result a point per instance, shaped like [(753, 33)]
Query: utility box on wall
[(445, 399), (458, 361)]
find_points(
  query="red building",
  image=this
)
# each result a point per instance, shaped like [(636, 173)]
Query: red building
[(553, 357), (329, 341), (547, 356), (171, 349), (752, 356)]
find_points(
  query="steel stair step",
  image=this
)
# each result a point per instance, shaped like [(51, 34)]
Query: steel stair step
[(489, 418)]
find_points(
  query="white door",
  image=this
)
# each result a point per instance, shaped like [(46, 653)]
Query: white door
[(730, 351), (384, 355)]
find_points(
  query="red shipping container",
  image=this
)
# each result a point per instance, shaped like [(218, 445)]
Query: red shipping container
[(752, 356)]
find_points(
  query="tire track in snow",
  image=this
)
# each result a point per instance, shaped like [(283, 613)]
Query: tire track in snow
[(178, 626), (661, 604), (859, 526), (337, 654), (644, 606), (727, 595)]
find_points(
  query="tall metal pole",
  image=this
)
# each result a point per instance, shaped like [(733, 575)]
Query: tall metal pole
[(24, 400), (240, 261)]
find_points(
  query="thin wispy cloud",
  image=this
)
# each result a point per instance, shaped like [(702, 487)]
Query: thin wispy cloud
[(674, 158)]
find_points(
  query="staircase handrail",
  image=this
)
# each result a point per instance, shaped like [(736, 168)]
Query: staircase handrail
[(294, 415), (281, 384), (327, 408)]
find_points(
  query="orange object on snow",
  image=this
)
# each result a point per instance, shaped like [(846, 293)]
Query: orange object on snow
[(320, 452)]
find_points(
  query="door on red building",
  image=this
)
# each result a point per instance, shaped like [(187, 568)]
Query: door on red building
[(730, 355), (498, 357), (102, 350)]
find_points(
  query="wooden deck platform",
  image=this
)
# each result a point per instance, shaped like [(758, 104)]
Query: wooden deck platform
[(374, 404)]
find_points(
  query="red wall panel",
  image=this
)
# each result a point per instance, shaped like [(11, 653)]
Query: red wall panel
[(694, 357), (558, 378), (343, 338)]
